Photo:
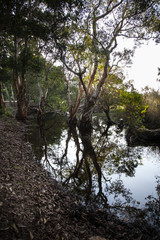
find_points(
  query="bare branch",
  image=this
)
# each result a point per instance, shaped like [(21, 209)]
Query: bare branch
[(109, 10)]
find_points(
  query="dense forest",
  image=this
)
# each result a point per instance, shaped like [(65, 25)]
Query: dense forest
[(70, 121), (62, 55)]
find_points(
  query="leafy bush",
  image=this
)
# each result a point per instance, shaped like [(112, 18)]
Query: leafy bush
[(152, 116), (133, 107)]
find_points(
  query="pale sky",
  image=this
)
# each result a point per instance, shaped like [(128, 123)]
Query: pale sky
[(144, 70)]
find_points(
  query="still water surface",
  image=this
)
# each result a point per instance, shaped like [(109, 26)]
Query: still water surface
[(103, 169)]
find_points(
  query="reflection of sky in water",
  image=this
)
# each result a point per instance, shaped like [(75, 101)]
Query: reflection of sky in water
[(56, 152), (142, 184)]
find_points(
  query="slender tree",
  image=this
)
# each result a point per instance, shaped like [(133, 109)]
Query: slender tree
[(73, 106), (93, 40)]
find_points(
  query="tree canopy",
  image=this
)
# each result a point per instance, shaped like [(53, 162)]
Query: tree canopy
[(94, 39), (83, 35)]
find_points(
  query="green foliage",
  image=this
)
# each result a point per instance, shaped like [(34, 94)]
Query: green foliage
[(151, 19), (112, 87), (134, 108), (152, 116), (6, 45), (7, 111), (5, 74), (34, 60), (57, 92), (47, 24), (35, 73)]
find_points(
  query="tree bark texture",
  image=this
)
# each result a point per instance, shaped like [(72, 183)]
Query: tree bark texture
[(20, 85), (85, 122), (73, 108), (91, 98), (22, 104)]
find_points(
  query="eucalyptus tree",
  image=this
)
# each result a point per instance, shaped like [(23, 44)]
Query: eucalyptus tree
[(94, 39), (73, 88), (20, 28), (24, 22)]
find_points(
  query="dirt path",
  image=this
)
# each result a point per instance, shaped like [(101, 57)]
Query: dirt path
[(34, 206)]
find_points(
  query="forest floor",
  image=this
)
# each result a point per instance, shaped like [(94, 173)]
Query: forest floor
[(35, 206)]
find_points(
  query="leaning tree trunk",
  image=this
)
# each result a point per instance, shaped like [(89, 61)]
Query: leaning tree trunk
[(85, 123), (73, 108)]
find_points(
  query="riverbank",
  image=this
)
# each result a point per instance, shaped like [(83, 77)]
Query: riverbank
[(35, 206)]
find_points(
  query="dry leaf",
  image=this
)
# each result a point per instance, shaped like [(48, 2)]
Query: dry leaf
[(45, 220), (15, 228), (31, 235)]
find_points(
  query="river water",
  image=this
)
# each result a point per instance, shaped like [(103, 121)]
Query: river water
[(102, 170)]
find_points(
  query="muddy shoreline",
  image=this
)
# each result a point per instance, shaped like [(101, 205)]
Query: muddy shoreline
[(35, 206)]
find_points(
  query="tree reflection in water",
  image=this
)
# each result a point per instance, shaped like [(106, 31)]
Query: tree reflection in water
[(88, 166)]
